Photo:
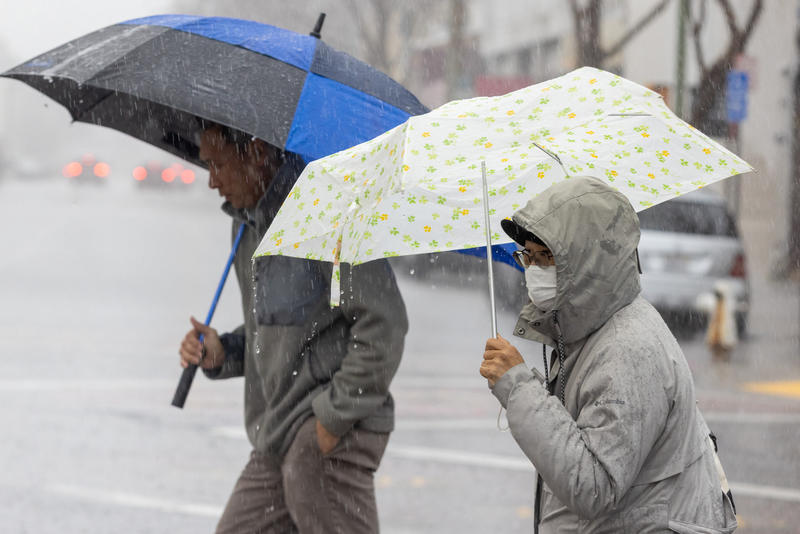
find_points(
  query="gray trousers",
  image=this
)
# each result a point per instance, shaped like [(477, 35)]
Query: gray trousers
[(308, 492)]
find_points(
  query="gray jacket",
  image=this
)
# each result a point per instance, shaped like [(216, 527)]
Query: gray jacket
[(299, 356), (628, 451)]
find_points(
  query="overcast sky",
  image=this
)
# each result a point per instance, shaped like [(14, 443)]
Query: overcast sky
[(31, 27)]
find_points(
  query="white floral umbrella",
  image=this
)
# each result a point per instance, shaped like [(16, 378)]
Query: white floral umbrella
[(417, 188)]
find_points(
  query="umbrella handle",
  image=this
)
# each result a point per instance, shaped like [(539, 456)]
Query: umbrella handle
[(489, 257), (187, 376)]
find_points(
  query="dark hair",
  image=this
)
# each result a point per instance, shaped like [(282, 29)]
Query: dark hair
[(235, 137), (529, 236)]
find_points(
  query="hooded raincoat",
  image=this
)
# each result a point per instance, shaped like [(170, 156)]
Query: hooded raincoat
[(620, 446)]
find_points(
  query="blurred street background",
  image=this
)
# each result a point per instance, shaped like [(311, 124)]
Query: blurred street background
[(109, 245)]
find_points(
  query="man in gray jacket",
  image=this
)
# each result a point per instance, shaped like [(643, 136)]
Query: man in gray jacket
[(318, 411), (612, 429)]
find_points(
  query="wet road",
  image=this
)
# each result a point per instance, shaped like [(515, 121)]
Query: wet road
[(96, 285)]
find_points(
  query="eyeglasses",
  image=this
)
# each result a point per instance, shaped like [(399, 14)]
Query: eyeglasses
[(525, 258)]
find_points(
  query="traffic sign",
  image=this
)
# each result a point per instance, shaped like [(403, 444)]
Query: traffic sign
[(736, 96)]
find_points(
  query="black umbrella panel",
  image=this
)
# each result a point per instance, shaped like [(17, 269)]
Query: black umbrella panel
[(154, 77)]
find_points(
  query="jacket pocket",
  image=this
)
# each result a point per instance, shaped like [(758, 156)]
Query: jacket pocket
[(682, 527), (289, 291), (686, 528), (326, 353), (729, 517)]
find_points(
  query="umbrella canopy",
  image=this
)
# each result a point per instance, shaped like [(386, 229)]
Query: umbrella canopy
[(154, 77), (417, 188)]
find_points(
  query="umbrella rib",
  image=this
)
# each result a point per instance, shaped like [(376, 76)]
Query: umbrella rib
[(555, 156), (79, 116), (552, 155)]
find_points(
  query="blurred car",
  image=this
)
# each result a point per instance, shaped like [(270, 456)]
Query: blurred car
[(689, 244), (28, 168), (465, 271), (155, 174), (87, 170)]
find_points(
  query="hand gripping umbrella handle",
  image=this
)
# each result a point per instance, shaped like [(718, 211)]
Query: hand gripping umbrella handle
[(185, 382)]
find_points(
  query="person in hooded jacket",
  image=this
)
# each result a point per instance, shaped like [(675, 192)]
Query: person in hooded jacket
[(612, 428)]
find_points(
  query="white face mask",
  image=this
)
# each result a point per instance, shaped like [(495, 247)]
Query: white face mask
[(541, 283)]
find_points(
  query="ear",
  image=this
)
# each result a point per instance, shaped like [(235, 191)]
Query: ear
[(263, 153), (256, 151)]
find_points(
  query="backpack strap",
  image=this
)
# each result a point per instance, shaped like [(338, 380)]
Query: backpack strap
[(723, 480)]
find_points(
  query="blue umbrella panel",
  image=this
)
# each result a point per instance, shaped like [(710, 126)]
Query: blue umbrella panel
[(500, 253)]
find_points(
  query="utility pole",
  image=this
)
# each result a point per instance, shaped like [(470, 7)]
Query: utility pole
[(680, 67), (454, 68), (793, 267)]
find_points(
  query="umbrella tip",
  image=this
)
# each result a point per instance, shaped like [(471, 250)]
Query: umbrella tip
[(318, 26)]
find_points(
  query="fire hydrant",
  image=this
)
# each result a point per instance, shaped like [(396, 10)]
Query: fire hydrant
[(721, 336)]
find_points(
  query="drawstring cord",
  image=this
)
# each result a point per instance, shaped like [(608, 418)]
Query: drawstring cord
[(561, 357), (561, 350), (546, 367)]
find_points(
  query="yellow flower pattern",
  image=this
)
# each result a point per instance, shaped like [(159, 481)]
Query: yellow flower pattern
[(417, 188)]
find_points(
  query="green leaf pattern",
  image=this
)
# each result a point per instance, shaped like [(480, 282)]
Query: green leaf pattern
[(417, 188)]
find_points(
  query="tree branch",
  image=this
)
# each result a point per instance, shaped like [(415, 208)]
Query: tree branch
[(713, 79), (739, 37), (362, 25), (577, 18), (697, 27), (751, 21), (636, 28), (374, 39), (730, 16), (576, 10)]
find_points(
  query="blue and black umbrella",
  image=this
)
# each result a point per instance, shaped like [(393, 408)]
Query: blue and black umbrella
[(162, 79), (154, 77)]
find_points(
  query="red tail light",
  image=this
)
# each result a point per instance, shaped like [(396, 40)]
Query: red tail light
[(101, 170), (738, 270), (72, 169), (168, 175), (187, 176)]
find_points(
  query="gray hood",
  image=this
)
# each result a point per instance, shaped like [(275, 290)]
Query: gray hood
[(592, 231)]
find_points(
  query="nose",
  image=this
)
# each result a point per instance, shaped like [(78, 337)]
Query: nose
[(213, 180)]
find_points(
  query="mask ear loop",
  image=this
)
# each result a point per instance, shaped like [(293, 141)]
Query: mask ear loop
[(499, 427), (536, 373), (499, 418)]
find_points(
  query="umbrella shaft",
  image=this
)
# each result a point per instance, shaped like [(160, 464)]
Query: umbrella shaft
[(489, 259), (185, 383)]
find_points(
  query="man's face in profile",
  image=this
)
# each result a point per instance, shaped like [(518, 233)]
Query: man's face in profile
[(241, 178)]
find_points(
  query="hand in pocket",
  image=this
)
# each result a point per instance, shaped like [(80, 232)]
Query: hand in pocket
[(326, 441)]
